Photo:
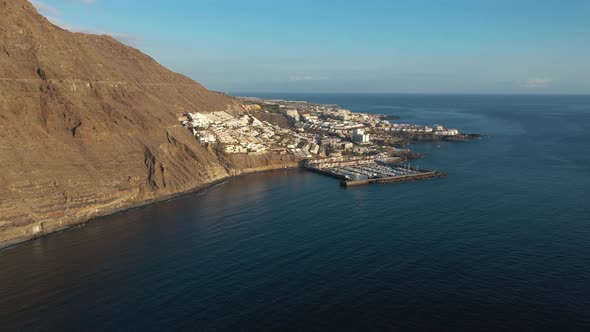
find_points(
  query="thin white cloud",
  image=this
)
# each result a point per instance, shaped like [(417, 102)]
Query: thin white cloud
[(537, 83), (45, 9), (54, 16)]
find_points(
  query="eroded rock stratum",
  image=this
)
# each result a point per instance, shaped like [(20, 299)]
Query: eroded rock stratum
[(89, 126)]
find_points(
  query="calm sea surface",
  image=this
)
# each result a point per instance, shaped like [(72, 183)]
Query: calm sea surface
[(502, 243)]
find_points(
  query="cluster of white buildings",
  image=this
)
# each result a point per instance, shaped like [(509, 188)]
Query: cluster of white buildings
[(317, 130), (442, 131), (246, 134), (416, 129), (241, 134), (331, 126)]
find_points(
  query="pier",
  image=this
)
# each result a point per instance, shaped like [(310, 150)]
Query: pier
[(366, 170)]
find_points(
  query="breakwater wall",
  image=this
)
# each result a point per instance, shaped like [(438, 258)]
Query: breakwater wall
[(324, 172), (361, 172), (394, 179)]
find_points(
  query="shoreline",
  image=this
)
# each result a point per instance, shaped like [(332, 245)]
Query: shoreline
[(7, 245), (233, 170)]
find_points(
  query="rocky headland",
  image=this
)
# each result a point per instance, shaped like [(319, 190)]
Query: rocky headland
[(89, 126)]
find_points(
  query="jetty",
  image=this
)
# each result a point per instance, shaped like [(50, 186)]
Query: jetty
[(359, 171)]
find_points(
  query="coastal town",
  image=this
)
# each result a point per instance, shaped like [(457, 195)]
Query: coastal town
[(323, 136)]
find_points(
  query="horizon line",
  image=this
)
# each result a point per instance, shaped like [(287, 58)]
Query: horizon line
[(409, 93)]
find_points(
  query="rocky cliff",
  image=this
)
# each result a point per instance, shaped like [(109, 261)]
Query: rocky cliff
[(89, 126)]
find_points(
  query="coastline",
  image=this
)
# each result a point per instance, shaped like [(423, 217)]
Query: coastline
[(234, 164), (6, 245)]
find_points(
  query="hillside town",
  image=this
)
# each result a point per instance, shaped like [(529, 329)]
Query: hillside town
[(309, 130)]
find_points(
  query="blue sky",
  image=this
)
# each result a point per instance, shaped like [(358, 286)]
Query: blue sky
[(416, 46)]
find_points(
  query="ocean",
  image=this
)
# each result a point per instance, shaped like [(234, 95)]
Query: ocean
[(502, 243)]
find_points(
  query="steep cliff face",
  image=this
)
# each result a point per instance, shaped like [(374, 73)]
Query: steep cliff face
[(89, 126)]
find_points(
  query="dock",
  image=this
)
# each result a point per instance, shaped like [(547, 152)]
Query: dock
[(366, 170)]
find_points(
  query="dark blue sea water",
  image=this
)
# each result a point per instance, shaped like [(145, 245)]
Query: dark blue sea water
[(502, 243)]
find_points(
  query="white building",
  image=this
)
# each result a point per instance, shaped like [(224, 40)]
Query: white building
[(314, 148), (447, 132), (342, 115), (310, 118), (235, 149), (291, 114), (359, 136), (198, 120), (205, 136), (347, 145)]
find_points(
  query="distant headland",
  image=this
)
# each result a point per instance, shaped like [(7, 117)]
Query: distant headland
[(354, 147)]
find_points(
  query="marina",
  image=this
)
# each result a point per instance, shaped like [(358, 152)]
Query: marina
[(368, 170)]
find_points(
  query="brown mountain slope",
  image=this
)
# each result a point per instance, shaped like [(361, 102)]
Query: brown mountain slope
[(89, 126)]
